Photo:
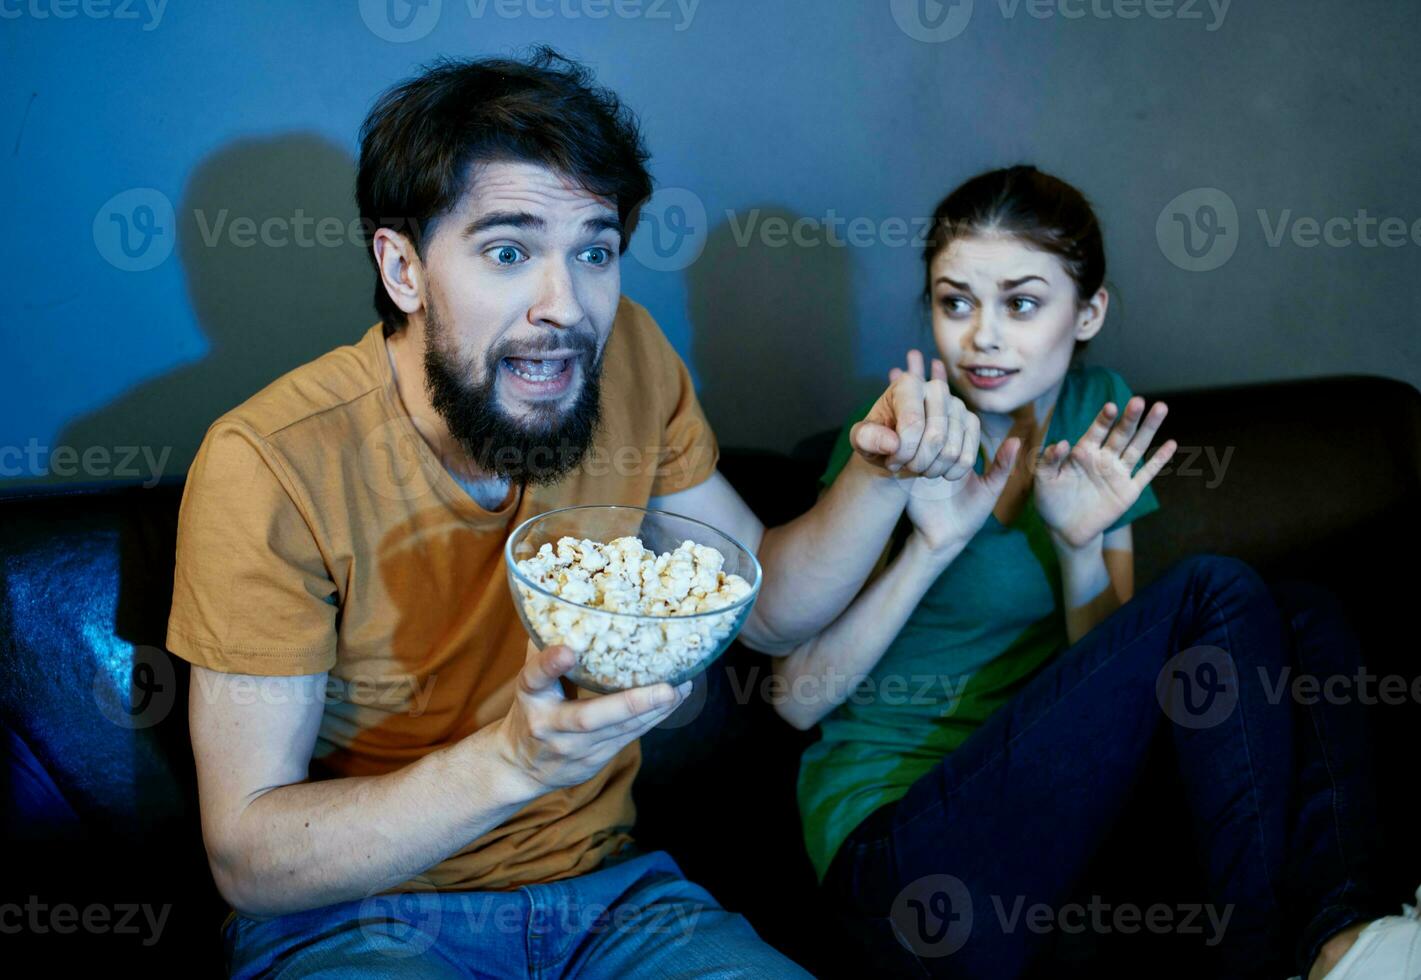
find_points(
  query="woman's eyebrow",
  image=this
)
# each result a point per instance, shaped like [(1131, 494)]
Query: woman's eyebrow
[(1007, 284), (955, 284)]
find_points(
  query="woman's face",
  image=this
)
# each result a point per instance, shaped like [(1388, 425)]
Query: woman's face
[(1006, 319)]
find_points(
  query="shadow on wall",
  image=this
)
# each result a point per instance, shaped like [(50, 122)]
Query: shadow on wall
[(270, 293), (772, 335)]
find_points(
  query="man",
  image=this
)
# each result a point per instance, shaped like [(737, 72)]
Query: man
[(390, 775)]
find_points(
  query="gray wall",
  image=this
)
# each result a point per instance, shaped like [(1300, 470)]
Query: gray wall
[(183, 118)]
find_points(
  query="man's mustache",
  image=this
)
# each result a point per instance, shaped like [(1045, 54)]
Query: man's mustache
[(580, 343)]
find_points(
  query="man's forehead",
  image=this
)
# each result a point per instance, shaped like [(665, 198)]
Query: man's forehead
[(512, 186)]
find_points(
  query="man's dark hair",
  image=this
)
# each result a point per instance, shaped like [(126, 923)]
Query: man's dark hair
[(422, 137)]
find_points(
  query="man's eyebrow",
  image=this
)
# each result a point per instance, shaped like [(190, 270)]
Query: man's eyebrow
[(522, 219), (503, 219)]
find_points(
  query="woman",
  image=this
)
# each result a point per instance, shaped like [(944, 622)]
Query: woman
[(989, 701)]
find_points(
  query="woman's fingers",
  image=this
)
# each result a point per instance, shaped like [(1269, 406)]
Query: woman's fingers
[(1157, 462), (1100, 428), (965, 458), (937, 427), (915, 364), (939, 371), (1125, 427), (1140, 442), (1054, 458)]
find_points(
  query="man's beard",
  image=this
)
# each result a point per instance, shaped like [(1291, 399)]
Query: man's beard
[(540, 451)]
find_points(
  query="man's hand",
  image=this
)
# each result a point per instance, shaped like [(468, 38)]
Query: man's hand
[(918, 428), (558, 741), (947, 510), (1081, 491)]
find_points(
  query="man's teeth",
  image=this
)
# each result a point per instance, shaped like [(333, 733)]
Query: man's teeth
[(536, 370)]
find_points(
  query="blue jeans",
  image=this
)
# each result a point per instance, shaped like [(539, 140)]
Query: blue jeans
[(634, 916), (947, 879)]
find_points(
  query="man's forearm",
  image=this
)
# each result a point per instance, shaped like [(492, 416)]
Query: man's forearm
[(314, 843), (823, 672), (816, 564)]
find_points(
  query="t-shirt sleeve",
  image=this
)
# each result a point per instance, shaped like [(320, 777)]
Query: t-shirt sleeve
[(690, 452), (1119, 392), (251, 590)]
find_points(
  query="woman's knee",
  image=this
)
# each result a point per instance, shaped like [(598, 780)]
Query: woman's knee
[(1221, 574)]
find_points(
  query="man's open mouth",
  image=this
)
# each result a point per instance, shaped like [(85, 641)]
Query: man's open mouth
[(537, 370)]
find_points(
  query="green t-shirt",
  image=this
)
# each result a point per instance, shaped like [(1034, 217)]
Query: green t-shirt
[(989, 622)]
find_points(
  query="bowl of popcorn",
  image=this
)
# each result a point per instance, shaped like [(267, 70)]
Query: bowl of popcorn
[(641, 596)]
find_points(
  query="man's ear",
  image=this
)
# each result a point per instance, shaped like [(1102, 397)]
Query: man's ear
[(400, 269), (1092, 316)]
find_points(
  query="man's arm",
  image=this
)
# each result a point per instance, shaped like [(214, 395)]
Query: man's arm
[(277, 843), (815, 565)]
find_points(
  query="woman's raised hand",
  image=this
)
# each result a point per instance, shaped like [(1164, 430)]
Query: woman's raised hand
[(1080, 491)]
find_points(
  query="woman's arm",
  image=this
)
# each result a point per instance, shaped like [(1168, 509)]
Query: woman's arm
[(1096, 579), (822, 672)]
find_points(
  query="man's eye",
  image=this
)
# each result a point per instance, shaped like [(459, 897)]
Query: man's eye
[(596, 255), (506, 254)]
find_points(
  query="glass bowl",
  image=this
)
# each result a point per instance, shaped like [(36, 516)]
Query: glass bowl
[(619, 650)]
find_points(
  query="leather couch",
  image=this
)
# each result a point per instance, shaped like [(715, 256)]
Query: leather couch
[(1317, 480)]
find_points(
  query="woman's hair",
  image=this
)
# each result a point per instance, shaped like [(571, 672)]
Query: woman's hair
[(1043, 211), (423, 137)]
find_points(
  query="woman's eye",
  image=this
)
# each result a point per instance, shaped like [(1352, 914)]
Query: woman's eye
[(1022, 304), (597, 255), (955, 305), (506, 254)]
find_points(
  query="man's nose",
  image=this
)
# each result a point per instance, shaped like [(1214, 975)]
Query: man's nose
[(556, 303)]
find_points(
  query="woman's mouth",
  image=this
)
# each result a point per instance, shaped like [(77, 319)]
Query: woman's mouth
[(538, 378), (984, 376)]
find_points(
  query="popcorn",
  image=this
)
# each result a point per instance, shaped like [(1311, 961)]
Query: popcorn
[(622, 576)]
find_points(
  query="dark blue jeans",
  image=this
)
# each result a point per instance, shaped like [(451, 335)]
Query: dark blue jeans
[(968, 873)]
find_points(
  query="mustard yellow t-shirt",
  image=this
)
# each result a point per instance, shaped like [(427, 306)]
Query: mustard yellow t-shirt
[(319, 532)]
